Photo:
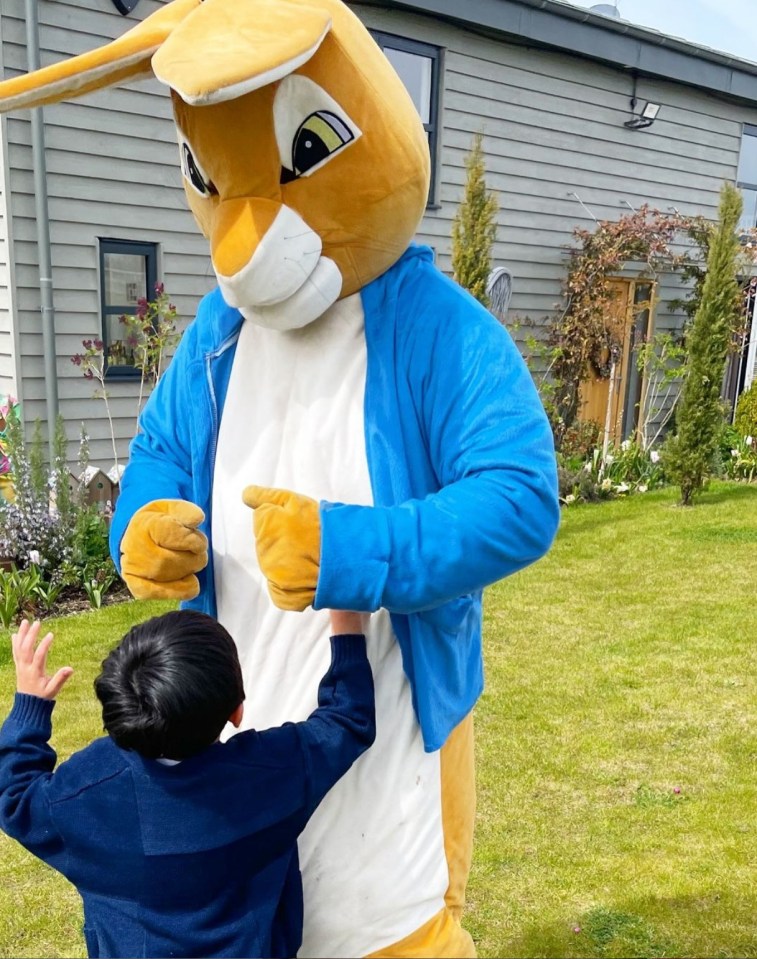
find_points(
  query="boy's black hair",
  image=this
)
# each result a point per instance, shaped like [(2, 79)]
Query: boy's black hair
[(169, 687)]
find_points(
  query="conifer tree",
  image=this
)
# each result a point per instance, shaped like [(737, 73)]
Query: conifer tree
[(475, 227), (700, 416)]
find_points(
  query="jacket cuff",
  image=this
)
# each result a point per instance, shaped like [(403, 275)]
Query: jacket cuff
[(355, 551), (347, 649), (32, 711)]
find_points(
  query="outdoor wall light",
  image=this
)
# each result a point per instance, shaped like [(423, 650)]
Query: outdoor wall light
[(646, 118)]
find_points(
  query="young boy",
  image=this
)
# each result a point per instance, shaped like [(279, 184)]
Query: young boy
[(180, 845)]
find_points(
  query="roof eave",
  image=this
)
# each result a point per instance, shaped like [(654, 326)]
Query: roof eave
[(560, 26)]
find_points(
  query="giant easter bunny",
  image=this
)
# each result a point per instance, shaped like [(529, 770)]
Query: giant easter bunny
[(377, 420)]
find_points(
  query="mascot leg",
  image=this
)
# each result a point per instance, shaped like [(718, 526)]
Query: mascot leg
[(443, 937)]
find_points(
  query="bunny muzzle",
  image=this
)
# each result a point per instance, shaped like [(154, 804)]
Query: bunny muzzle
[(269, 265)]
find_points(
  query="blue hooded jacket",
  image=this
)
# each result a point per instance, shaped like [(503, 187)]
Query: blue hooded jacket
[(460, 456)]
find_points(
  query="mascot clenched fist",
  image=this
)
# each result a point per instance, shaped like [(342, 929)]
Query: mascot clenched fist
[(341, 426)]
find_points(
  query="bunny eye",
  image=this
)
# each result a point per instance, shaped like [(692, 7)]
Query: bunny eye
[(322, 134), (310, 127), (193, 172)]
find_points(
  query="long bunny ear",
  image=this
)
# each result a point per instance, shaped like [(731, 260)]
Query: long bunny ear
[(124, 59), (228, 47)]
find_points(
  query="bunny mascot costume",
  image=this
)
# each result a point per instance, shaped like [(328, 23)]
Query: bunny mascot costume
[(341, 427)]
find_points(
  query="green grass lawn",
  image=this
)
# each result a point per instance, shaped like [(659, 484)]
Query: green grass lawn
[(617, 749)]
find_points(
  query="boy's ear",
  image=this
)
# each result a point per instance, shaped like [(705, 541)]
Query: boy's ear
[(124, 59), (236, 717)]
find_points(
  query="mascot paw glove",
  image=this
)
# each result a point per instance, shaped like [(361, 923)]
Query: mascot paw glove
[(162, 549), (287, 529)]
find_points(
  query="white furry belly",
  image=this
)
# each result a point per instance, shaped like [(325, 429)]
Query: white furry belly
[(372, 857)]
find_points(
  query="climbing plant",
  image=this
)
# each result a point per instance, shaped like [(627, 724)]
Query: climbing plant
[(580, 338)]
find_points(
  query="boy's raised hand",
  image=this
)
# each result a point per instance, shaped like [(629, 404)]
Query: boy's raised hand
[(31, 663)]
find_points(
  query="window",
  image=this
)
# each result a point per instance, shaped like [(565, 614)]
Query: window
[(418, 65), (746, 178), (128, 272)]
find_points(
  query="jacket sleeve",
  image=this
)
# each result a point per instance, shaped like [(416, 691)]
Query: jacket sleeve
[(26, 774), (160, 454), (344, 724), (316, 753), (493, 508)]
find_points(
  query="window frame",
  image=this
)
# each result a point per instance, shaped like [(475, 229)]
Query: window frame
[(436, 55), (749, 131), (146, 249)]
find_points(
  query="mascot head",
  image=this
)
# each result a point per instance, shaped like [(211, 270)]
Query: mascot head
[(304, 160)]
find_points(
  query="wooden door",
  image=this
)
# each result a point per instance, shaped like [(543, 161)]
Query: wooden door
[(611, 396)]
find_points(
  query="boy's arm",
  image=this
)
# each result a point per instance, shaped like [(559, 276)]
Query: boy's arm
[(26, 770), (344, 724), (26, 758), (314, 754)]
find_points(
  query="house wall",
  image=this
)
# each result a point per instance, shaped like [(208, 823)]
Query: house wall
[(558, 153), (7, 363), (112, 171)]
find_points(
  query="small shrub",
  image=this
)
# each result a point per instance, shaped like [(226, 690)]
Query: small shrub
[(746, 412), (55, 549), (9, 603), (691, 452), (738, 456), (474, 229), (580, 439), (98, 586), (48, 593), (627, 468)]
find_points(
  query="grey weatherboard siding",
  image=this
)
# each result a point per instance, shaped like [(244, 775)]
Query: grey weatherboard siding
[(553, 126), (113, 171)]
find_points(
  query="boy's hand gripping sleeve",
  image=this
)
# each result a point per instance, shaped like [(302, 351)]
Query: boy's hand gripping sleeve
[(287, 528), (162, 549)]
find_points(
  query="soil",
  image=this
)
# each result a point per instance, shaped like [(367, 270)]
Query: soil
[(73, 601)]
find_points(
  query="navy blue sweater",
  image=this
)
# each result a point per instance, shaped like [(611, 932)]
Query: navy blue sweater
[(197, 859)]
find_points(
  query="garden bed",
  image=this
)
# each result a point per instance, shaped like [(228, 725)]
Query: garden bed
[(72, 601)]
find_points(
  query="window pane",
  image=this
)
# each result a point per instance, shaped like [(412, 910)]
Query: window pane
[(121, 343), (125, 278), (748, 160), (415, 72), (749, 216)]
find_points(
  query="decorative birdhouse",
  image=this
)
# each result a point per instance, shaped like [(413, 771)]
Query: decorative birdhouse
[(99, 486)]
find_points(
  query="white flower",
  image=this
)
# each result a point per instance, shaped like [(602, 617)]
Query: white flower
[(749, 440), (735, 454), (609, 459), (643, 488), (570, 498), (654, 456), (34, 557), (587, 466), (606, 484), (622, 488), (625, 445)]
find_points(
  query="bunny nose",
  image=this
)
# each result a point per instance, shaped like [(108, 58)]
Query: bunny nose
[(262, 251)]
